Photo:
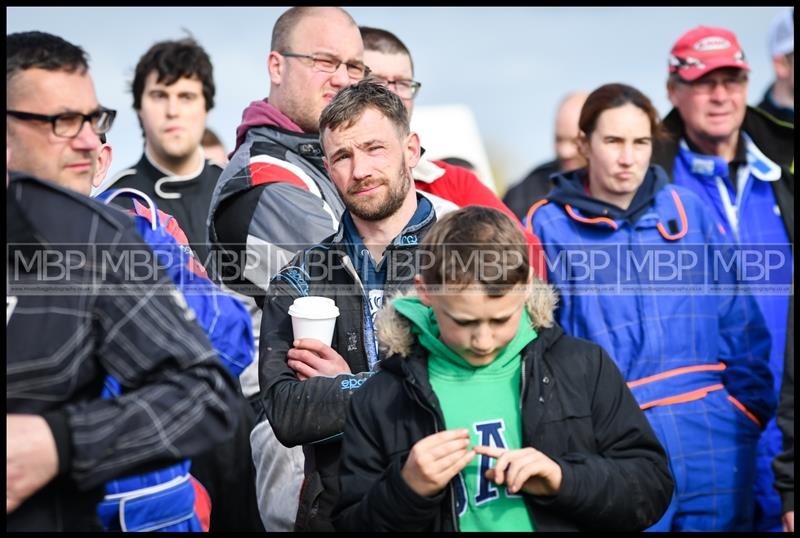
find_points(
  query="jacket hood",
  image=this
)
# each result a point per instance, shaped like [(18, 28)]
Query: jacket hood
[(394, 329), (259, 114), (569, 189)]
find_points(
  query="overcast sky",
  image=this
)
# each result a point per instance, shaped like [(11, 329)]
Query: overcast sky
[(510, 66)]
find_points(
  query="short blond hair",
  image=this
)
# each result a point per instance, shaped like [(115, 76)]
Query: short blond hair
[(476, 245)]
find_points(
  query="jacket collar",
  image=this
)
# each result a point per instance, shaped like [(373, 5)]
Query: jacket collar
[(410, 236), (569, 190), (710, 166), (427, 171), (774, 138), (259, 114), (19, 229)]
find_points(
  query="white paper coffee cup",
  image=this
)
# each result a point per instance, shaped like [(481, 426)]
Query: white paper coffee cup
[(314, 317)]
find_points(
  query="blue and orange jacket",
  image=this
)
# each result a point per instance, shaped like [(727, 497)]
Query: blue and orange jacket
[(657, 287)]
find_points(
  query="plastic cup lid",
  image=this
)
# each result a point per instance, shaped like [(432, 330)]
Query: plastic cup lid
[(314, 308)]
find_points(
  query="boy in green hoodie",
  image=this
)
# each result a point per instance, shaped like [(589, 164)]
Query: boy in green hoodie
[(485, 416)]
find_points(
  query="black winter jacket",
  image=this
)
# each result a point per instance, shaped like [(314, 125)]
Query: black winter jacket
[(312, 412), (576, 409), (68, 330), (533, 187), (783, 465)]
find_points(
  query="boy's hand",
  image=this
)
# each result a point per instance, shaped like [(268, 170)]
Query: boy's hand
[(310, 358), (524, 469), (435, 460)]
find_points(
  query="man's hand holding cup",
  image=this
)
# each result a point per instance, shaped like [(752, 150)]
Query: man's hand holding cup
[(313, 323)]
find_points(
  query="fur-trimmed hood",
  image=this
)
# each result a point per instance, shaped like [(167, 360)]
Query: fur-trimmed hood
[(394, 329)]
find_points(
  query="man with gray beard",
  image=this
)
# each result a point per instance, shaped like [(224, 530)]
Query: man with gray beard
[(369, 152)]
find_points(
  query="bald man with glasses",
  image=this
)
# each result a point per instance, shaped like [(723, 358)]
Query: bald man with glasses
[(275, 198)]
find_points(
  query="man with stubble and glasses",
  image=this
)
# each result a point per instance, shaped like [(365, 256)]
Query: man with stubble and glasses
[(77, 312), (275, 198), (55, 146)]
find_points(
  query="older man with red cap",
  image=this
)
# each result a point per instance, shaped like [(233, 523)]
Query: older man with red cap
[(740, 161)]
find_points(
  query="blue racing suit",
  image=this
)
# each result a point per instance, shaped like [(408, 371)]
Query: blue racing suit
[(166, 500), (752, 216), (655, 285)]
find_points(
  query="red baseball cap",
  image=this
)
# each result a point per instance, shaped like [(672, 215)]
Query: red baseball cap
[(704, 49)]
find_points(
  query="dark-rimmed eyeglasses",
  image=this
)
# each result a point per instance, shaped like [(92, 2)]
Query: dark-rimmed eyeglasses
[(69, 124), (404, 88), (330, 64)]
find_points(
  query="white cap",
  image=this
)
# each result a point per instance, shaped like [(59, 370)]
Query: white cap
[(781, 34)]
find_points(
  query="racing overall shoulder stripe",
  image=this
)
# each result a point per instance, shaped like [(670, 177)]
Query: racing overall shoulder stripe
[(267, 169)]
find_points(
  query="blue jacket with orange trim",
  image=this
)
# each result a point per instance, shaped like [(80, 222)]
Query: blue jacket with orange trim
[(658, 288)]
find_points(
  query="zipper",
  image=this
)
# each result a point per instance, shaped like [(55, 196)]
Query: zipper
[(416, 396), (347, 264), (522, 384)]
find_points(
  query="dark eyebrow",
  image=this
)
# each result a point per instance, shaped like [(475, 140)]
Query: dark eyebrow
[(338, 152), (369, 143), (366, 144)]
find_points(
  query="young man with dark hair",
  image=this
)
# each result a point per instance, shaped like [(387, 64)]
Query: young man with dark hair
[(173, 91)]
